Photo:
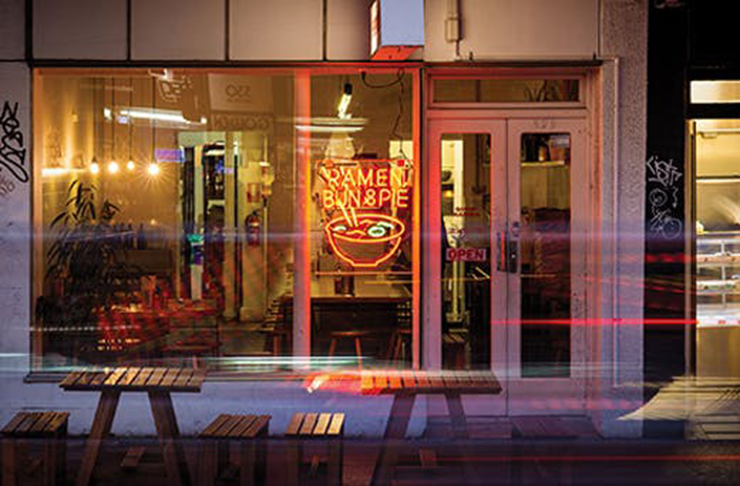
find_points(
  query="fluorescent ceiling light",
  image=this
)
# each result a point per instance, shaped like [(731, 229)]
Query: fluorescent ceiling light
[(161, 115), (328, 129)]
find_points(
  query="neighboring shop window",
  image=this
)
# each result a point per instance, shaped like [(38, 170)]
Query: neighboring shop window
[(362, 217), (716, 143), (166, 205)]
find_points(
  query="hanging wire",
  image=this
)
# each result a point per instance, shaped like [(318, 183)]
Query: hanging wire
[(113, 119), (399, 115), (130, 124)]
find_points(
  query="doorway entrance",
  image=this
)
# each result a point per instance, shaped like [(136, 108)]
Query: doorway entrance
[(506, 212)]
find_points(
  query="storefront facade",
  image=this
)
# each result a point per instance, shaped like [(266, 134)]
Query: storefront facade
[(267, 206)]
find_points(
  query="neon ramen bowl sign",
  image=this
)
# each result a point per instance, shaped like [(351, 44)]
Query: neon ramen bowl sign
[(363, 201)]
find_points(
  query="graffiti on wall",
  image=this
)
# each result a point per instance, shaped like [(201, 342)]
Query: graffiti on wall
[(12, 148), (663, 198)]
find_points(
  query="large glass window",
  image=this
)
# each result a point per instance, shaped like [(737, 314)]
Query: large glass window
[(362, 216), (166, 209), (165, 201)]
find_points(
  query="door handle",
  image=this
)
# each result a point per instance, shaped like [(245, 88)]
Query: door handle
[(507, 250), (512, 250)]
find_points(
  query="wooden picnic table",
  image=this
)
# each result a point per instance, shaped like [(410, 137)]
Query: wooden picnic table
[(405, 386), (158, 383)]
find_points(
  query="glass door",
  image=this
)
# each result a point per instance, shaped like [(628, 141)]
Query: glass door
[(548, 199), (464, 289), (505, 255)]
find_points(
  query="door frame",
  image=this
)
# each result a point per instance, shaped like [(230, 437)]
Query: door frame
[(431, 219)]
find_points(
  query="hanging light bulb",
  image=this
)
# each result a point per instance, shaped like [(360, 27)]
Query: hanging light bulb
[(94, 166), (153, 169), (344, 102), (113, 167), (130, 165)]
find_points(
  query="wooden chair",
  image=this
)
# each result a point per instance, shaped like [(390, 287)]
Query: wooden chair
[(311, 427), (214, 459), (51, 427)]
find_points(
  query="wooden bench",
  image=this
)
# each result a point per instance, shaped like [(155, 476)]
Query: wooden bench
[(51, 427), (214, 458), (313, 426)]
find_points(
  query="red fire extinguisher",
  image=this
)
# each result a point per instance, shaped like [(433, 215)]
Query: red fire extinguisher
[(253, 229)]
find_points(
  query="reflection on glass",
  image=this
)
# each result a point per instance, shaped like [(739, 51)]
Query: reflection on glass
[(362, 217), (545, 254), (505, 90), (466, 250), (192, 261)]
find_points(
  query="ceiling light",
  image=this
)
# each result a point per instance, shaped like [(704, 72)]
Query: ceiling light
[(153, 169), (113, 167)]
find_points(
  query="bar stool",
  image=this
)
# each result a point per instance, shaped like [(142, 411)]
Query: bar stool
[(51, 427), (398, 345), (356, 336)]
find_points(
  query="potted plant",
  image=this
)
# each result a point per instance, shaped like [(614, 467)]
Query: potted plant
[(85, 267)]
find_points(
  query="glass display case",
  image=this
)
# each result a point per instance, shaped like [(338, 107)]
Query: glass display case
[(718, 278)]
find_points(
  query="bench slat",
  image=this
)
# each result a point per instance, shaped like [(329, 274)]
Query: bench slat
[(308, 424), (59, 420), (244, 421), (422, 380), (295, 424), (25, 426), (228, 426), (85, 379), (114, 377), (170, 377), (257, 427), (381, 382), (41, 423), (408, 380), (156, 377), (142, 377), (129, 377), (337, 424), (197, 379), (183, 377), (14, 422), (394, 382), (215, 425), (70, 379), (366, 384), (99, 378), (322, 424)]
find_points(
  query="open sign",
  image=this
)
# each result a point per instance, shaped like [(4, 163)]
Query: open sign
[(467, 254)]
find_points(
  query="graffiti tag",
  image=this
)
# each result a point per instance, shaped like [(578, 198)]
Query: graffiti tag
[(12, 149), (663, 199)]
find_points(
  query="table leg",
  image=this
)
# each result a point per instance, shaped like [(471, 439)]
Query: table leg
[(459, 428), (395, 431), (169, 437), (100, 429)]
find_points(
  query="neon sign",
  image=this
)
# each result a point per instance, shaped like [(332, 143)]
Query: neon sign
[(362, 200)]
